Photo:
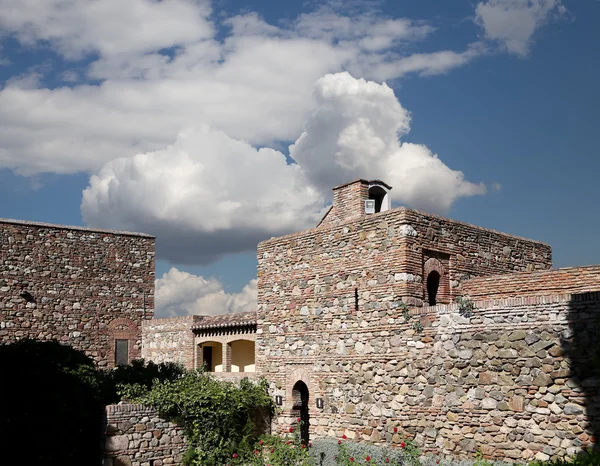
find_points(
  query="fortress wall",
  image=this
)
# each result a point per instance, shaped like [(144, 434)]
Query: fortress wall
[(83, 287)]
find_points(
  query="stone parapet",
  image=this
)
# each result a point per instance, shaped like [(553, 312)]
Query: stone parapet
[(137, 436)]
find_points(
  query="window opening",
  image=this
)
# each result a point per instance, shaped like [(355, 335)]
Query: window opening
[(433, 283), (377, 194), (121, 352)]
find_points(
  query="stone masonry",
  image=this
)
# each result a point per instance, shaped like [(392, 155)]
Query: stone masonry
[(84, 287), (511, 380), (137, 436)]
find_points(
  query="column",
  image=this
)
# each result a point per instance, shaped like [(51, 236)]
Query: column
[(226, 357)]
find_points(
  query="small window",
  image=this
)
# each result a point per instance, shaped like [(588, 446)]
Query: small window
[(121, 352), (433, 283), (378, 195)]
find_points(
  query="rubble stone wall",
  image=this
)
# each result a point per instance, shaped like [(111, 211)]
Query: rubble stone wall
[(169, 340), (137, 436), (517, 380), (504, 381), (83, 287)]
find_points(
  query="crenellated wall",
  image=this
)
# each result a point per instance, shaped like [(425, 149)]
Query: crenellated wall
[(84, 287)]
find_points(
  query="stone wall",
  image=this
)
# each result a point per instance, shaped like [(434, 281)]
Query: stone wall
[(517, 380), (84, 287), (137, 436), (506, 380), (170, 340)]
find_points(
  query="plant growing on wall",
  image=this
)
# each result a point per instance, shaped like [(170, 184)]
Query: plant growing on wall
[(219, 419), (466, 306)]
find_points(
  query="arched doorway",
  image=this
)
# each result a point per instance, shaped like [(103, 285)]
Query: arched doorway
[(300, 408), (433, 283)]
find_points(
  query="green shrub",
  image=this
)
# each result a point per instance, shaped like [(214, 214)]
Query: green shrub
[(219, 418)]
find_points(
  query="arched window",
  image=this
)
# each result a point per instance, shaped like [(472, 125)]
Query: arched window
[(380, 196), (433, 283)]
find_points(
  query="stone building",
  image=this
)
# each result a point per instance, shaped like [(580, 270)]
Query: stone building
[(358, 328), (223, 344), (88, 288), (359, 332)]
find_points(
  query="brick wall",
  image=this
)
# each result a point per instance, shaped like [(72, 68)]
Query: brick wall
[(81, 286), (557, 281), (170, 340), (137, 436)]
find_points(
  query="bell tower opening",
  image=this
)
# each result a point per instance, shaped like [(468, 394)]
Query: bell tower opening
[(378, 194)]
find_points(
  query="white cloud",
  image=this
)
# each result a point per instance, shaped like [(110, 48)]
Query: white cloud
[(180, 293), (255, 84), (514, 22), (355, 134), (204, 196), (209, 194), (107, 27)]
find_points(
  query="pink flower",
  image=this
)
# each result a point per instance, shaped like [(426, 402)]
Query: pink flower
[(387, 460), (303, 446), (368, 458), (291, 429), (344, 437), (402, 445), (260, 442), (351, 459), (309, 444), (298, 419), (235, 455), (395, 429), (339, 442)]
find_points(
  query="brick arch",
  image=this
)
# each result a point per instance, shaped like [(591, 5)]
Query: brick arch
[(300, 374), (443, 294), (123, 328)]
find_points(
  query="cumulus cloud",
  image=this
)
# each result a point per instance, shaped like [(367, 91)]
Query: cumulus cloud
[(204, 196), (180, 293), (209, 194), (152, 68), (514, 22), (355, 134)]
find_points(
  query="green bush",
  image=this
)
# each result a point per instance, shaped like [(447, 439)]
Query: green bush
[(219, 418)]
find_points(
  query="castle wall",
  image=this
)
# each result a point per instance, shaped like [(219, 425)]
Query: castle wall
[(84, 287), (330, 315), (169, 340), (568, 279), (137, 436), (517, 380)]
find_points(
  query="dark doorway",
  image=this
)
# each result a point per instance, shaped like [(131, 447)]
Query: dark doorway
[(300, 408), (207, 358), (433, 283)]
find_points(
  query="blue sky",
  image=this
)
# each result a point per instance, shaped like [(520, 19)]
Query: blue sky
[(157, 110)]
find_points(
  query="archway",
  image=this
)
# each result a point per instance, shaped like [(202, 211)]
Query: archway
[(211, 353), (433, 284), (300, 408)]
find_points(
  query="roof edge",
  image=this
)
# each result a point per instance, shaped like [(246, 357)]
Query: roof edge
[(58, 226)]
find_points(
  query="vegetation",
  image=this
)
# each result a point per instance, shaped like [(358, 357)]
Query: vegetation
[(466, 306), (219, 419)]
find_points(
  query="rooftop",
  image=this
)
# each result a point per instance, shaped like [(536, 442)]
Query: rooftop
[(239, 319)]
